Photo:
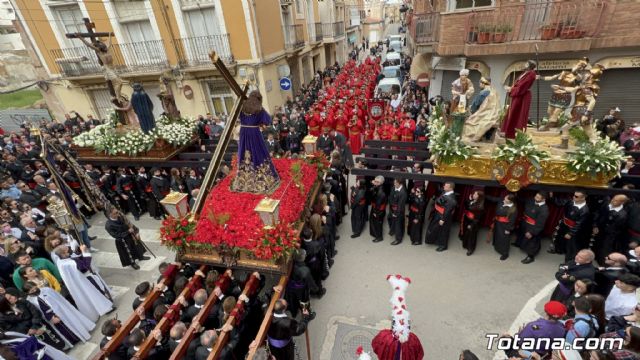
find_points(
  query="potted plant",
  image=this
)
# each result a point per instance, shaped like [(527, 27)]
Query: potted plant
[(569, 29), (500, 34), (484, 33), (549, 32)]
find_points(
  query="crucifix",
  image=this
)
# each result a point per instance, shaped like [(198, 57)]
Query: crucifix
[(104, 52)]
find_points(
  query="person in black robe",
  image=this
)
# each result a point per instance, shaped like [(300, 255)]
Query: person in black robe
[(378, 207), (293, 142), (567, 274), (316, 256), (440, 224), (534, 218), (143, 107), (192, 181), (325, 143), (126, 188), (282, 330), (417, 206), (609, 229), (605, 277), (160, 187), (397, 202), (473, 211), (301, 284), (143, 182), (503, 225), (572, 231), (358, 208), (129, 249)]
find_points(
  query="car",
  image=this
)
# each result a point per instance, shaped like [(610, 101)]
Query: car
[(389, 85), (396, 38), (392, 58), (392, 72), (396, 46)]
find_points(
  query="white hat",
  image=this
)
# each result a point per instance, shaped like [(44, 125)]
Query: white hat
[(399, 313), (464, 72)]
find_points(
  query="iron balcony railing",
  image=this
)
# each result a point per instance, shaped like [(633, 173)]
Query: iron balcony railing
[(195, 50), (319, 31), (338, 28), (424, 28), (143, 56), (293, 36), (573, 19)]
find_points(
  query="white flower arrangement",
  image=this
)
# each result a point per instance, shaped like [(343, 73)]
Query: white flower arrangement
[(601, 156), (520, 147), (104, 138), (447, 147)]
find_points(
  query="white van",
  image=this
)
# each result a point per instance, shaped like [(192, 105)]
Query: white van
[(393, 58), (389, 85), (396, 46), (396, 38)]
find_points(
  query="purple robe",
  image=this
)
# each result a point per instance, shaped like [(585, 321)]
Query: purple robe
[(251, 140)]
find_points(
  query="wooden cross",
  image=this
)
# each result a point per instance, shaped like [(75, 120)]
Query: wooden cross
[(94, 37)]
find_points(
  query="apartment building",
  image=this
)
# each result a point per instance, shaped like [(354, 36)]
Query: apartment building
[(261, 41), (495, 38)]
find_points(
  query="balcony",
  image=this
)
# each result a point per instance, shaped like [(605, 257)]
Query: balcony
[(338, 29), (317, 27), (424, 28), (331, 31), (293, 36), (144, 56), (528, 24), (194, 51)]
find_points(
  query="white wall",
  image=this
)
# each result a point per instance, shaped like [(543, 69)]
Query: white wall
[(10, 42)]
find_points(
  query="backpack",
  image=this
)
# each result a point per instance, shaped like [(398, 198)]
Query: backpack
[(570, 327)]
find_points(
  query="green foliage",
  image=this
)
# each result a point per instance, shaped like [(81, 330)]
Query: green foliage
[(444, 144), (19, 99), (520, 147), (579, 135)]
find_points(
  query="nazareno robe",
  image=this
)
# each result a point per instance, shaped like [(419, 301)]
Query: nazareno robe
[(417, 207), (129, 250), (90, 301), (518, 115), (143, 107), (376, 217), (438, 234), (470, 224), (358, 210)]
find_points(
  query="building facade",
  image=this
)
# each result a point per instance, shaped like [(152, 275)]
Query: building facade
[(261, 41), (494, 38)]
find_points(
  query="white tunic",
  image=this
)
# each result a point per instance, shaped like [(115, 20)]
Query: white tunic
[(69, 315), (89, 300)]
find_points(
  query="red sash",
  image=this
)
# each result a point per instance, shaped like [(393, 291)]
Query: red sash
[(529, 220), (469, 215), (381, 207), (414, 209), (570, 223), (422, 138), (127, 187), (502, 219), (362, 202), (394, 207), (113, 187), (148, 189), (633, 233), (440, 209), (165, 193), (74, 184)]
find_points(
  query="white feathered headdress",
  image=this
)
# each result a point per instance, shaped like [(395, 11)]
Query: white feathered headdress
[(399, 311)]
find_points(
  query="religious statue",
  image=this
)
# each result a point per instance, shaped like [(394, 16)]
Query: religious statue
[(461, 90), (518, 115), (485, 112), (143, 107), (563, 93), (105, 54), (127, 108), (587, 93), (256, 172), (167, 98)]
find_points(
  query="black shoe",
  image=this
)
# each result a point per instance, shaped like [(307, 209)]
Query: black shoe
[(337, 237), (137, 218), (377, 240), (355, 236), (441, 249), (335, 252), (330, 261), (416, 243), (135, 266), (469, 253), (92, 237), (552, 251), (157, 218), (396, 242), (390, 233), (528, 260), (311, 316), (324, 275), (504, 257), (145, 258)]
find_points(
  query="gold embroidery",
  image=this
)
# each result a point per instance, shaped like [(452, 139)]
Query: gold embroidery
[(260, 180)]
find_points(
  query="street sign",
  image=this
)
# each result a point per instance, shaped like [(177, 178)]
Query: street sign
[(285, 84), (422, 80)]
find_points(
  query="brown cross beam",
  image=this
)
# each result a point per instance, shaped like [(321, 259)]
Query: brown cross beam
[(225, 138), (94, 36)]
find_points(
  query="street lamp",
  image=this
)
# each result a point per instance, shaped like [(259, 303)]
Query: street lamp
[(176, 204), (268, 209)]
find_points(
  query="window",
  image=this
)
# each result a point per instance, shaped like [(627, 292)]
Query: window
[(102, 102), (468, 4), (202, 22), (70, 17), (299, 7), (222, 99)]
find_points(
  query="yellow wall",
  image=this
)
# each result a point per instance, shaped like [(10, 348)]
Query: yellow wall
[(269, 25), (168, 27), (41, 30), (98, 14), (237, 29), (194, 107), (275, 97), (74, 98)]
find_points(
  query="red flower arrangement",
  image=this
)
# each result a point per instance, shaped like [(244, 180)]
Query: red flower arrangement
[(176, 232), (228, 219)]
